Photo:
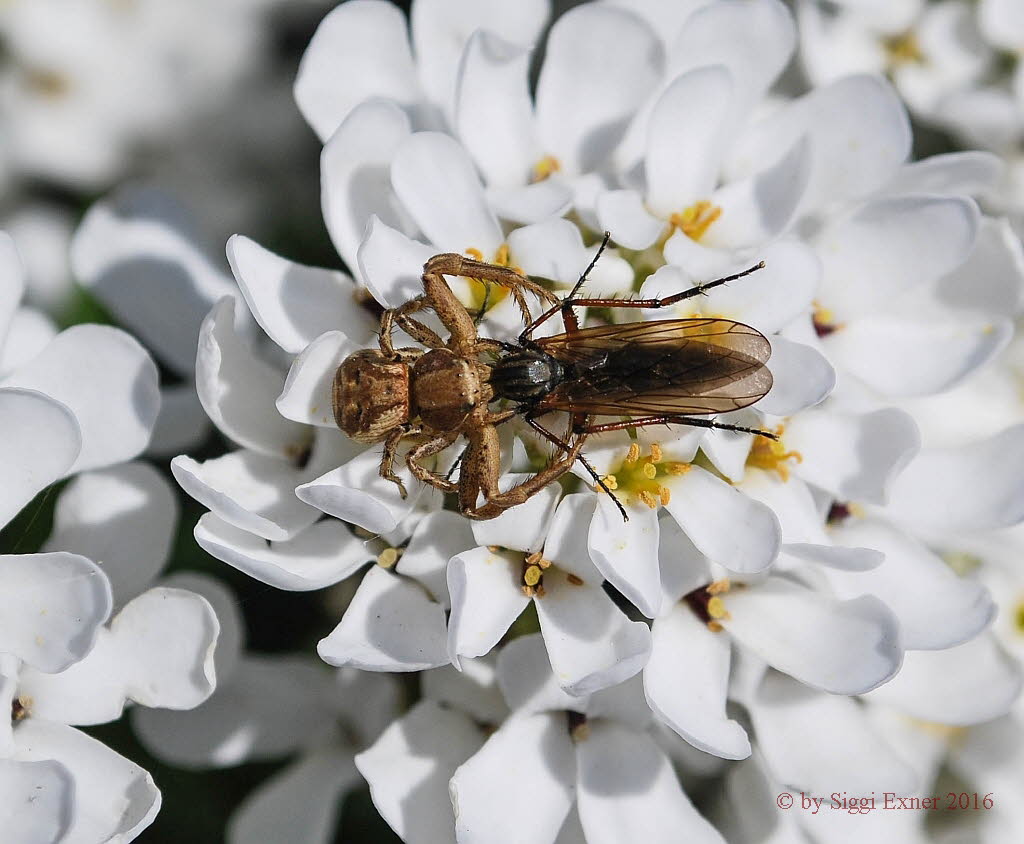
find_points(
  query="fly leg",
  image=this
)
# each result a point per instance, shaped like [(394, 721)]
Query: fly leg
[(647, 421), (570, 301), (576, 425)]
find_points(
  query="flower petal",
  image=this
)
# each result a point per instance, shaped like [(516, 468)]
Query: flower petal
[(359, 51), (686, 139), (238, 389), (889, 245), (521, 528), (355, 176), (989, 282), (136, 252), (624, 213), (249, 491), (438, 537), (125, 516), (53, 606), (859, 135), (40, 444), (859, 760), (391, 625), (853, 456), (438, 185), (969, 684), (472, 689), (256, 715), (298, 804), (181, 424), (30, 331), (307, 395), (409, 766), (842, 647), (441, 28), (937, 609), (970, 173), (391, 264), (754, 40), (962, 489), (590, 641), (627, 791), (801, 378), (294, 303), (626, 553), (108, 381), (36, 801), (355, 492), (157, 652), (933, 355), (728, 527), (121, 797), (526, 680), (321, 555), (686, 681), (584, 101), (493, 110), (532, 203), (528, 761), (487, 596)]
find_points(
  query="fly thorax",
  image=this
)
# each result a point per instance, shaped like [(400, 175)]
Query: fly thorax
[(525, 376)]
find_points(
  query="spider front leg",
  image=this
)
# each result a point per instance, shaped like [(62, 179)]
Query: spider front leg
[(481, 470), (387, 460), (428, 449), (414, 328)]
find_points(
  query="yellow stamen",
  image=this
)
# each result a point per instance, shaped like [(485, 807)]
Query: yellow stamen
[(715, 627), (609, 481), (534, 558), (475, 254), (633, 454), (695, 220), (532, 575), (719, 587), (649, 471), (1018, 617), (581, 732), (47, 83), (771, 455), (501, 256), (677, 468), (648, 499), (388, 557), (666, 496), (544, 168), (655, 453), (717, 610), (575, 580), (903, 49)]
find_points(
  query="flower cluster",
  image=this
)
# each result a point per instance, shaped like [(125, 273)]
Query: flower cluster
[(85, 630), (576, 663)]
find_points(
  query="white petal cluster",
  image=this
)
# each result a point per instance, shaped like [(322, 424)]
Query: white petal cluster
[(84, 630), (758, 587)]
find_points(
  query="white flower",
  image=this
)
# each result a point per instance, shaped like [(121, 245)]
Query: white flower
[(556, 753), (82, 87)]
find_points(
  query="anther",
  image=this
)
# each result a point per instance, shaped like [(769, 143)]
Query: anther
[(388, 557), (655, 453), (648, 499), (633, 454), (649, 471)]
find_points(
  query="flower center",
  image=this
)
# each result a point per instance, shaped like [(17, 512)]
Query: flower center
[(387, 558), (576, 724), (47, 83), (639, 478), (20, 708), (707, 604), (484, 295), (695, 220), (544, 168), (903, 49), (534, 567), (824, 320), (771, 455), (1018, 617)]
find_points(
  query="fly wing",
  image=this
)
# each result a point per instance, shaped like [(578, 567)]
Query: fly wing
[(667, 367)]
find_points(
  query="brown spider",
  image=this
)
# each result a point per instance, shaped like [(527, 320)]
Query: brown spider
[(660, 371)]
